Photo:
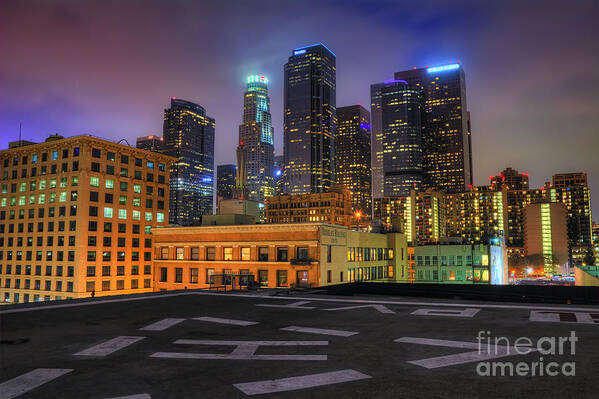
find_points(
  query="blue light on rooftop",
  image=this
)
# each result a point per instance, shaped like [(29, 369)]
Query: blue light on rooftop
[(442, 68), (395, 81), (302, 50)]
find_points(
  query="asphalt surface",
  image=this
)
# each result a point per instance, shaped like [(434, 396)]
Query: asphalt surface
[(372, 364)]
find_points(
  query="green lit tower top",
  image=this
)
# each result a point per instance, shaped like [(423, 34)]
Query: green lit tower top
[(255, 152)]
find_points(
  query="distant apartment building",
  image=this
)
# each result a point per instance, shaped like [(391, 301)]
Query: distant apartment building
[(510, 179), (275, 255), (564, 180), (76, 216), (333, 206), (477, 215), (546, 234)]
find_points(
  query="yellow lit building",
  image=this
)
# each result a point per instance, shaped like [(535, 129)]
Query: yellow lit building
[(75, 218)]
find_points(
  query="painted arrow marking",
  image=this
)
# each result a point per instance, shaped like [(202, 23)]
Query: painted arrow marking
[(479, 355), (28, 381), (293, 305), (380, 308), (468, 312)]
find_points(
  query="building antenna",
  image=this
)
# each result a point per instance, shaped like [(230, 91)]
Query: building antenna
[(20, 124)]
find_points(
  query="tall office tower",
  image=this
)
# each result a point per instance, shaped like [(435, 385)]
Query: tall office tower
[(309, 120), (278, 168), (445, 134), (153, 143), (401, 109), (255, 152), (376, 140), (353, 157), (511, 179), (79, 213), (189, 136), (225, 181)]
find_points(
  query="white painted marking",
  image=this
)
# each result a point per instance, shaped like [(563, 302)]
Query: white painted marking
[(380, 308), (245, 350), (77, 303), (562, 317), (301, 382), (481, 353), (226, 321), (294, 305), (324, 331), (138, 396), (28, 381), (468, 312), (110, 346), (162, 325)]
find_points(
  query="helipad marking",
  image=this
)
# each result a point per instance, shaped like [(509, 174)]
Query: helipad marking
[(110, 346), (380, 308), (300, 382), (294, 305), (479, 355), (162, 325), (468, 312), (564, 317), (226, 321), (244, 350), (324, 331), (26, 382)]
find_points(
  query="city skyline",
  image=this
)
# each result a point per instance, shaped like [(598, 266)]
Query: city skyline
[(509, 88)]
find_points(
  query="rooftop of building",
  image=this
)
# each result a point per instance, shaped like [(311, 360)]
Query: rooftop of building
[(175, 345)]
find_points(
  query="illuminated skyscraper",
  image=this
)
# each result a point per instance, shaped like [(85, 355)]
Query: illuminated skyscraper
[(353, 157), (255, 153), (278, 168), (511, 179), (225, 181), (446, 136), (189, 136), (397, 135), (309, 120)]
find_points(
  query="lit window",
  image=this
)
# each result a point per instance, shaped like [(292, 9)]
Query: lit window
[(93, 181), (108, 212), (109, 183), (122, 214), (148, 216), (136, 215), (160, 217)]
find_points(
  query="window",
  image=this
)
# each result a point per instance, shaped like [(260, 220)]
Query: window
[(108, 212), (245, 254), (263, 254), (193, 277), (106, 285), (302, 253), (163, 274), (164, 253), (93, 181), (329, 276), (95, 153), (281, 278), (263, 278), (211, 253), (90, 286), (178, 274), (109, 183), (195, 253), (282, 254), (180, 253), (227, 253), (209, 276), (329, 253)]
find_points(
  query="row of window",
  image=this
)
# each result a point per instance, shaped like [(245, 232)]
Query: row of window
[(36, 297), (111, 156), (64, 168), (370, 273), (39, 255), (124, 172), (92, 241), (453, 275), (94, 196), (37, 285), (282, 254), (451, 260), (27, 270), (35, 158), (120, 270), (51, 198), (359, 254), (90, 286), (60, 242), (120, 256), (93, 226), (108, 212), (41, 185), (225, 277), (94, 181)]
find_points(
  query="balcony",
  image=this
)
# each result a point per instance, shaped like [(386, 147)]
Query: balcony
[(302, 261)]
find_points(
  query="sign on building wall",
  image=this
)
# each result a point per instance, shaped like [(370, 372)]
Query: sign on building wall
[(333, 236)]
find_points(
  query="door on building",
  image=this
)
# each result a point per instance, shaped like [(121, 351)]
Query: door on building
[(302, 279)]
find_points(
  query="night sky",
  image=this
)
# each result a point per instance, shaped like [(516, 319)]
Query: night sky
[(109, 68)]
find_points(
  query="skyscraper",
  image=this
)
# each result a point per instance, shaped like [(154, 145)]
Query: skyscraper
[(309, 120), (189, 136), (511, 179), (278, 168), (225, 180), (255, 153), (353, 157), (446, 139), (376, 140), (398, 154)]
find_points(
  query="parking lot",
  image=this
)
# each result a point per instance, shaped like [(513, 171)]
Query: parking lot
[(210, 345)]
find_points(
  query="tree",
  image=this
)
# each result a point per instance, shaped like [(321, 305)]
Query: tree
[(589, 257)]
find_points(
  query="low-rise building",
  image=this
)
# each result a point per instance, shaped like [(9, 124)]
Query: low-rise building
[(333, 206), (461, 263), (275, 255)]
